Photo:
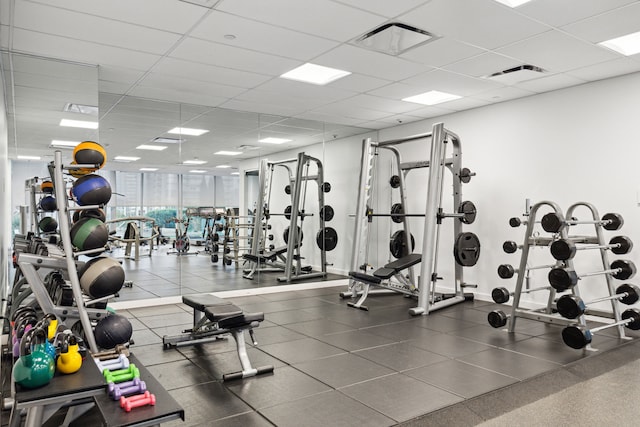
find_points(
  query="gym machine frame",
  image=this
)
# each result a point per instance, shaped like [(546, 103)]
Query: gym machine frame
[(428, 300), (132, 237)]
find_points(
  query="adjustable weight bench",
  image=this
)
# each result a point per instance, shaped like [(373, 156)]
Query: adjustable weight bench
[(214, 317), (381, 278), (271, 261)]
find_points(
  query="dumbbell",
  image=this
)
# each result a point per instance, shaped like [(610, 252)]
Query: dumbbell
[(128, 403), (118, 392), (578, 337), (572, 306), (506, 271), (501, 295), (562, 278), (517, 222), (565, 249), (112, 386), (121, 375), (497, 318), (553, 222), (113, 364), (510, 246)]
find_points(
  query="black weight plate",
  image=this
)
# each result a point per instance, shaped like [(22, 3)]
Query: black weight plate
[(397, 245), (287, 189), (394, 181), (326, 187), (466, 250), (625, 245), (326, 213), (469, 210), (287, 212), (497, 318), (396, 213), (465, 175), (616, 221), (632, 291), (285, 235), (327, 239)]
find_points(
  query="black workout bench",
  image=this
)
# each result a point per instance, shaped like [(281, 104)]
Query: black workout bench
[(214, 317), (385, 273), (272, 261)]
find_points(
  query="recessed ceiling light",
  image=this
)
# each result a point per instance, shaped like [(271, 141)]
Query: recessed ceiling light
[(513, 3), (28, 157), (91, 110), (163, 140), (194, 162), (228, 153), (235, 173), (627, 45), (223, 166), (148, 169), (125, 159), (152, 147), (271, 140), (432, 97), (56, 143), (188, 131), (315, 74), (79, 124), (197, 171)]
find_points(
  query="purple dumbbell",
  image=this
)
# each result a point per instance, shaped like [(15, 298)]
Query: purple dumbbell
[(112, 386), (119, 392)]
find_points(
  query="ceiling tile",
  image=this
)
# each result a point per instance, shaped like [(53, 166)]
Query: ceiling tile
[(377, 103), (556, 81), (210, 73), (555, 13), (165, 81), (108, 73), (65, 23), (359, 83), (484, 65), (177, 95), (395, 91), (567, 53), (53, 68), (441, 52), (168, 15), (483, 23), (266, 108), (358, 60), (293, 103), (261, 37), (503, 94), (385, 8), (114, 87), (322, 117), (607, 69), (293, 89), (453, 83), (616, 23), (81, 51), (229, 57), (355, 112), (428, 112), (462, 104), (323, 18), (4, 36)]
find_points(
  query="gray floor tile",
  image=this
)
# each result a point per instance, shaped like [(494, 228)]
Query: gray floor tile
[(449, 345), (284, 385), (274, 335), (461, 378), (552, 351), (166, 319), (436, 322), (179, 374), (218, 364), (301, 350), (155, 311), (145, 337), (249, 419), (509, 363), (355, 340), (151, 355), (400, 356), (343, 369), (490, 336), (331, 408), (292, 316), (402, 331), (316, 328), (400, 397)]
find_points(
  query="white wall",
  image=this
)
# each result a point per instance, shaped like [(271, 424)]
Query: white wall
[(576, 144), (5, 199)]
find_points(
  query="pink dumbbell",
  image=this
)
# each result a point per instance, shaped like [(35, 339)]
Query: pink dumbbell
[(128, 403), (112, 386), (125, 391)]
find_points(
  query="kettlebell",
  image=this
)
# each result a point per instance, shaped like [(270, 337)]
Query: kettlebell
[(70, 359), (35, 367), (23, 326), (51, 321), (45, 324)]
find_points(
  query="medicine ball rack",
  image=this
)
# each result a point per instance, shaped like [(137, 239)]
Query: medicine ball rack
[(577, 333), (466, 249)]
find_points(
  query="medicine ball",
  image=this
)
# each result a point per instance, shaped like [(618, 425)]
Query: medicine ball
[(78, 173), (93, 213), (48, 204), (46, 187), (101, 277), (89, 153), (89, 233), (91, 190), (48, 224), (112, 330)]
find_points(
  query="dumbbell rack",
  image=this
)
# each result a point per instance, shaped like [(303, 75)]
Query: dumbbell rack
[(548, 313), (230, 247)]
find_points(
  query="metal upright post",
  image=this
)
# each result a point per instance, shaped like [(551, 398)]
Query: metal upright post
[(293, 223), (364, 196)]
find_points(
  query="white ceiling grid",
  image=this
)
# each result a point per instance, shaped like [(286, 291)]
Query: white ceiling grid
[(230, 54)]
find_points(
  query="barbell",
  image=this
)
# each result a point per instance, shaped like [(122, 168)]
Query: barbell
[(563, 278), (578, 337), (553, 222), (565, 249), (572, 306)]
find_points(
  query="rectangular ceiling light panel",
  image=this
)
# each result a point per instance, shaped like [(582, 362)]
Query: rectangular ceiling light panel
[(315, 74), (188, 131), (432, 97), (227, 153), (78, 124), (28, 157), (162, 140), (394, 38), (152, 147), (194, 162), (56, 143), (126, 159), (271, 140), (627, 45), (148, 169), (513, 3)]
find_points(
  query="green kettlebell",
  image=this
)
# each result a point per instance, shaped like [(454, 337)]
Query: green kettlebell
[(35, 367), (70, 359)]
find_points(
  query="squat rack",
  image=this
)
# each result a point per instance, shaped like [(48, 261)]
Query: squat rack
[(428, 299)]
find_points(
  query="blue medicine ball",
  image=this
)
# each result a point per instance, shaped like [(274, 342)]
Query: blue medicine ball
[(48, 204), (91, 190)]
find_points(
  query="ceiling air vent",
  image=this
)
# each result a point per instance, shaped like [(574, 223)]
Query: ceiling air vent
[(394, 38), (517, 74), (247, 147), (81, 109), (164, 140)]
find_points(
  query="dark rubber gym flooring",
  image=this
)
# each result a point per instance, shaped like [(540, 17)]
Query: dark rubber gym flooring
[(335, 365)]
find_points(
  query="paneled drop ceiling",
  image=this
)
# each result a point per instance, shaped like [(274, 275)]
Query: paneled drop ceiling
[(221, 60)]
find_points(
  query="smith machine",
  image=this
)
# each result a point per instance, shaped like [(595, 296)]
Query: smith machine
[(393, 275)]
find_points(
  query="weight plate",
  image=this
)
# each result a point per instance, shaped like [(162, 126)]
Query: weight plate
[(287, 189), (287, 212), (396, 213), (326, 187), (327, 239), (394, 181), (397, 244), (326, 213), (285, 235), (465, 175), (466, 250), (469, 210)]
